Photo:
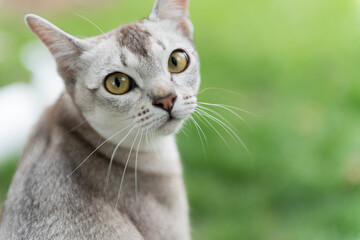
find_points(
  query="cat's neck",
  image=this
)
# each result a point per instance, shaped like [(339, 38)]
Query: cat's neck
[(158, 155)]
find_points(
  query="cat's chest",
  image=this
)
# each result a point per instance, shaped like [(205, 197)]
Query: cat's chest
[(155, 204), (158, 208)]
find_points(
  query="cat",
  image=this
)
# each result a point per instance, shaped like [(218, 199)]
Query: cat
[(102, 162)]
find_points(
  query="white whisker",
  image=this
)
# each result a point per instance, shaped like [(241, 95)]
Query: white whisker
[(221, 89), (226, 107), (202, 132), (79, 15), (147, 139), (77, 126), (126, 164), (151, 135), (197, 126), (226, 143), (184, 132), (136, 162), (95, 151), (216, 113), (202, 113), (228, 129), (112, 159)]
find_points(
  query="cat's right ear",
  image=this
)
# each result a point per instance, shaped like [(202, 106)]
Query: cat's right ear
[(65, 48), (176, 11)]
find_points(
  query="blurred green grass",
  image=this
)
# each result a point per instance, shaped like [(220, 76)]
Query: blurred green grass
[(297, 64)]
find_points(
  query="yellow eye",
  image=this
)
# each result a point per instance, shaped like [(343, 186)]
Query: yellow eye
[(178, 61), (118, 83)]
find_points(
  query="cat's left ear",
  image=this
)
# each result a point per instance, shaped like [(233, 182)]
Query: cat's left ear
[(176, 11), (65, 48)]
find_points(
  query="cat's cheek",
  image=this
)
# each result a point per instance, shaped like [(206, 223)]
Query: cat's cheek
[(103, 122), (196, 85), (188, 85), (191, 80)]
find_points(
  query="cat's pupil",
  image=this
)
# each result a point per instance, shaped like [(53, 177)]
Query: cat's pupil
[(117, 82), (174, 61)]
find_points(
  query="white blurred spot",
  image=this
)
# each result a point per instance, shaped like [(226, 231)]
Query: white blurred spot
[(5, 42), (21, 104)]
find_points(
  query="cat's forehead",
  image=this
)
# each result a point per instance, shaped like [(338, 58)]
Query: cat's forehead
[(139, 49), (141, 36), (136, 38)]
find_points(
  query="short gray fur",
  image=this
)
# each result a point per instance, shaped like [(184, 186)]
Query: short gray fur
[(55, 194)]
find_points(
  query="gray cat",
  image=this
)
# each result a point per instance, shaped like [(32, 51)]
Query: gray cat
[(102, 162)]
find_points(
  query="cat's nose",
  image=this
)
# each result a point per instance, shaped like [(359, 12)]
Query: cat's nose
[(166, 102)]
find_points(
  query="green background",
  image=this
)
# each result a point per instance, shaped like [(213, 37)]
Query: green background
[(296, 65)]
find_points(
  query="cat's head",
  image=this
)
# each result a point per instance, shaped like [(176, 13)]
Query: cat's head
[(143, 76)]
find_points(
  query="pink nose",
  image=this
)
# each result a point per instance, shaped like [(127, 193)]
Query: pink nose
[(166, 102)]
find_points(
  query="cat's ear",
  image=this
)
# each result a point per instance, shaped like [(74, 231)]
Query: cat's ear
[(176, 11), (65, 48)]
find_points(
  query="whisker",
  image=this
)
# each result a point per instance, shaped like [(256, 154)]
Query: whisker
[(185, 127), (227, 107), (84, 121), (184, 132), (126, 164), (202, 113), (95, 151), (221, 89), (112, 159), (226, 143), (91, 22), (216, 113), (151, 135), (232, 133), (149, 142), (136, 161), (146, 139), (77, 126), (202, 132), (197, 126)]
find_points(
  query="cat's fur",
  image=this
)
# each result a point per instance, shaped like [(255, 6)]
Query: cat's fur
[(47, 198)]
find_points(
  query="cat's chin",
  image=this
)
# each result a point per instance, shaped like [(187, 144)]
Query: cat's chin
[(171, 126)]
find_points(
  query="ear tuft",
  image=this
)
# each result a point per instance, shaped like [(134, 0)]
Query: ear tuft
[(174, 10), (65, 48), (48, 33), (170, 9)]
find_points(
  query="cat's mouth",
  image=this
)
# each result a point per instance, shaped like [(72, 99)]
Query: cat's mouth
[(171, 119), (171, 124)]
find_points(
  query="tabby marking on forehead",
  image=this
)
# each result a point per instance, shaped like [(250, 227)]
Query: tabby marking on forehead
[(123, 59), (135, 38), (161, 44)]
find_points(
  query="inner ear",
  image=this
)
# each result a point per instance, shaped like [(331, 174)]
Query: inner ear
[(176, 11), (65, 48)]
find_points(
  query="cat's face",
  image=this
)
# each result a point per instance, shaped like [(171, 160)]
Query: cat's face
[(142, 76), (157, 98)]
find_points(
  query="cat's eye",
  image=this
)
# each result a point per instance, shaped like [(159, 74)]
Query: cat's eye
[(178, 61), (118, 83)]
